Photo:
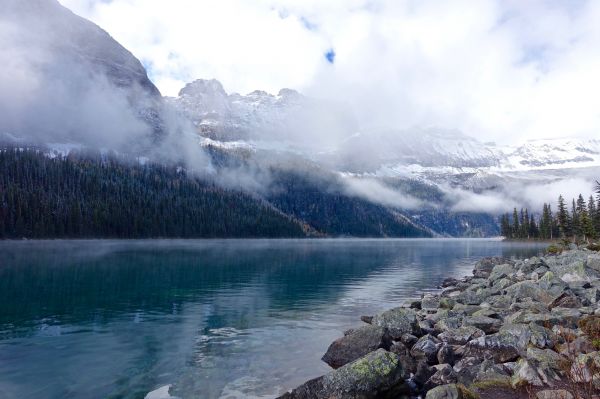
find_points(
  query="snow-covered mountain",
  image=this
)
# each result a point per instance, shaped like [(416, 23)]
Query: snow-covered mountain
[(326, 132), (288, 118)]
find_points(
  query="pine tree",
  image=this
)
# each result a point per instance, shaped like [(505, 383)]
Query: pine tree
[(505, 228), (534, 232), (515, 224), (562, 218), (575, 222)]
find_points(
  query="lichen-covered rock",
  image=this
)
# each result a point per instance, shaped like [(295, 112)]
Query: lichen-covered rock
[(554, 394), (483, 268), (376, 375), (356, 344), (443, 375), (461, 335), (529, 289), (398, 321), (430, 302), (466, 369), (450, 391), (408, 362), (586, 367), (446, 355), (426, 348), (486, 324), (499, 347), (492, 373), (501, 271), (540, 368)]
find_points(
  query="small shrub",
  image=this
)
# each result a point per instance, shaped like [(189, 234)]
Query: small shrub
[(594, 246), (554, 249), (591, 328)]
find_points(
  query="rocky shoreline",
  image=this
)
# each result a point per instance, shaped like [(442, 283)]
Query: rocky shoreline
[(516, 328)]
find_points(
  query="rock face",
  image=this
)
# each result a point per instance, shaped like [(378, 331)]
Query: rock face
[(515, 324), (79, 69)]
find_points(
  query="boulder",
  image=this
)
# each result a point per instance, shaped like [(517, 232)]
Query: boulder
[(443, 375), (408, 362), (461, 335), (529, 289), (492, 373), (430, 302), (593, 262), (426, 348), (376, 375), (554, 394), (424, 373), (450, 391), (446, 355), (466, 369), (356, 344), (487, 324), (483, 268), (398, 321), (499, 347), (501, 271)]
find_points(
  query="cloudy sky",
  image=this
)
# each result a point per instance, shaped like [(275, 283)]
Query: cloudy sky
[(497, 70)]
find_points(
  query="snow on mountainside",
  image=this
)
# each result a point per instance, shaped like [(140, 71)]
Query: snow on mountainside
[(327, 133), (287, 118)]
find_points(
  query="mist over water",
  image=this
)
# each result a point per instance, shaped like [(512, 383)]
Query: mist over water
[(235, 318)]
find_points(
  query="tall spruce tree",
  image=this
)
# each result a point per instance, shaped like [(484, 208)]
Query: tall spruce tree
[(515, 224), (562, 218)]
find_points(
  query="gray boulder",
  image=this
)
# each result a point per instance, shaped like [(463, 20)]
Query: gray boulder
[(356, 344), (450, 391), (554, 394), (461, 335), (426, 348), (444, 375), (483, 268), (376, 375), (466, 369), (398, 321), (487, 324), (499, 347)]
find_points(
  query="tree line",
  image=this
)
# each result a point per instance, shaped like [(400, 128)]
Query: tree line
[(95, 196), (578, 221)]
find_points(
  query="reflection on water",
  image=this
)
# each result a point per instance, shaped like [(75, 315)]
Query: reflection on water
[(238, 318)]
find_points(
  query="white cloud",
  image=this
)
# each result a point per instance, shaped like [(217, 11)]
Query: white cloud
[(498, 70)]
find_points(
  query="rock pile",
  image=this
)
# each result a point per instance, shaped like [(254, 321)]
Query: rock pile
[(531, 323)]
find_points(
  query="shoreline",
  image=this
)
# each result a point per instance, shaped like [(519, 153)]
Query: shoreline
[(515, 328)]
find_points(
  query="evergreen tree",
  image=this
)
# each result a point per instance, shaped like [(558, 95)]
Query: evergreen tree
[(515, 224), (576, 230), (505, 228), (534, 231), (562, 218)]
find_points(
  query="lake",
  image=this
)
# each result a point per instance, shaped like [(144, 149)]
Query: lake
[(211, 318)]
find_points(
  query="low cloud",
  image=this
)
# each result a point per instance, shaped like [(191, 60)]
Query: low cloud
[(377, 192)]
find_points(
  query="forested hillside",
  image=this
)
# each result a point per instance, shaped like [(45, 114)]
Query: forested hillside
[(80, 197), (322, 203)]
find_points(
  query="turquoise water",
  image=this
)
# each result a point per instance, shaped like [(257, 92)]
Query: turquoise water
[(213, 318)]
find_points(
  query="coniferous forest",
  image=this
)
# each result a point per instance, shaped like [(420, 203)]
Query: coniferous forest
[(94, 197), (578, 220)]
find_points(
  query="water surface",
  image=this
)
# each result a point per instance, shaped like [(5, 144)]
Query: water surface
[(212, 318)]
